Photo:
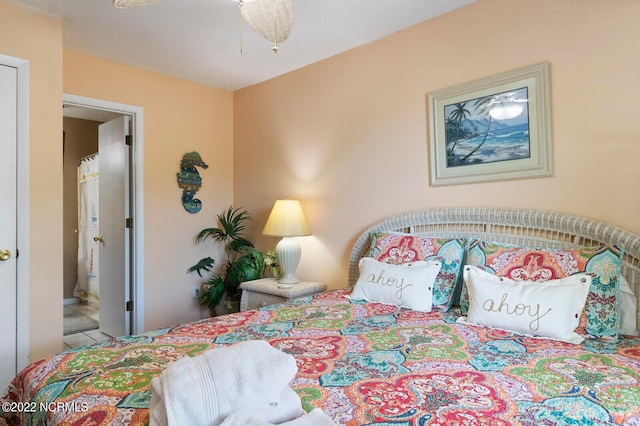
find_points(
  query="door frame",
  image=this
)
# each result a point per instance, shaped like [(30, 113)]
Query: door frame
[(137, 195), (22, 207)]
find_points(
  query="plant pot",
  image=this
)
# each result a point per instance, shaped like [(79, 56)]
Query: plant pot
[(275, 272), (232, 306)]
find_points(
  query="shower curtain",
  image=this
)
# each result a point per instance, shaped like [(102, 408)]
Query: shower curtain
[(88, 228)]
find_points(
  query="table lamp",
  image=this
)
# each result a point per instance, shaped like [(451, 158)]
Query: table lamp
[(287, 220)]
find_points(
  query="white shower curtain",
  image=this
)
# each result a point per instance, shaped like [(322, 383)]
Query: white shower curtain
[(88, 228)]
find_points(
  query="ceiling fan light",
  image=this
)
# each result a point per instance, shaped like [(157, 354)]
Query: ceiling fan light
[(271, 19), (126, 4)]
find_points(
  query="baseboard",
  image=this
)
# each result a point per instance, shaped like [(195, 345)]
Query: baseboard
[(71, 301)]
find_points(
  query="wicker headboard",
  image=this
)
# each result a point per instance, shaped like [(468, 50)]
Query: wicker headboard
[(526, 227)]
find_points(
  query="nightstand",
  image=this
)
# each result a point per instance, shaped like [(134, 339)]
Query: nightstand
[(263, 292)]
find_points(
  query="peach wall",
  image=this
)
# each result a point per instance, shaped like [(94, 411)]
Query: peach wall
[(179, 116), (38, 38), (348, 136)]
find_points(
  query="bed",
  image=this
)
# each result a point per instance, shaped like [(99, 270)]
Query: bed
[(365, 362)]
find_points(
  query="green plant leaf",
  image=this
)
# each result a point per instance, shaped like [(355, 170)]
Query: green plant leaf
[(215, 233), (246, 268), (243, 263), (205, 265), (212, 293), (257, 258), (239, 244), (235, 273), (233, 221)]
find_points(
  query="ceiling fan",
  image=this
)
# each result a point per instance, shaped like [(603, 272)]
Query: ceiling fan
[(271, 19)]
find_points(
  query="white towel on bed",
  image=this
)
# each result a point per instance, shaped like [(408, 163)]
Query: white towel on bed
[(286, 407), (316, 417), (250, 376)]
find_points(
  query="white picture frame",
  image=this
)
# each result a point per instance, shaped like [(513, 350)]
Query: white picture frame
[(473, 139)]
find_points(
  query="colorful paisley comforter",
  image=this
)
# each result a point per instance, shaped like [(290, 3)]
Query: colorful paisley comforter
[(362, 363)]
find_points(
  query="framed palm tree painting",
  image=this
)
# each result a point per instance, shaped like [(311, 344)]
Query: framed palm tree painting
[(497, 128)]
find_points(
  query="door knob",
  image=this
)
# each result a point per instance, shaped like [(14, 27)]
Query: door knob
[(5, 255), (98, 239)]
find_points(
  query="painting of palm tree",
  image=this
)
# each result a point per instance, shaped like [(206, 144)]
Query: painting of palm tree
[(494, 128), (488, 129)]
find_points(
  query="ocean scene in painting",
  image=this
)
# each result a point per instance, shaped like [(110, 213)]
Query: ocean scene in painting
[(488, 129)]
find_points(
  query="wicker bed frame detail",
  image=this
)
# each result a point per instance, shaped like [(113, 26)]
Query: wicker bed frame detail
[(525, 227)]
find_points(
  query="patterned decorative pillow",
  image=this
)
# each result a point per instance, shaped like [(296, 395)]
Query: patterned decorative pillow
[(398, 248), (549, 309), (531, 264)]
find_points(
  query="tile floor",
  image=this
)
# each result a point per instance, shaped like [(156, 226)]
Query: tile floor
[(86, 309), (84, 338), (84, 317), (80, 317)]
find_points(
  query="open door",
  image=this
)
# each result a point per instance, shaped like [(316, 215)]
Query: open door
[(115, 227)]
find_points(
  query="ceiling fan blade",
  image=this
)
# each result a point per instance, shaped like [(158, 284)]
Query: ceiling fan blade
[(126, 4)]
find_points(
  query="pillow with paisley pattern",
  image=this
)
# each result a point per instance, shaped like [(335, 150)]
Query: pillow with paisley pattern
[(399, 248), (533, 264)]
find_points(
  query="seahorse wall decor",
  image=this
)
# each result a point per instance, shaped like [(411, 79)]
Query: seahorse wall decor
[(190, 181)]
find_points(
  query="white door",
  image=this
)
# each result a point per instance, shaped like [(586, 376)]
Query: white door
[(8, 280), (114, 250)]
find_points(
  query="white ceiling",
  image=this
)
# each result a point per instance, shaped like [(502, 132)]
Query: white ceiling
[(199, 40)]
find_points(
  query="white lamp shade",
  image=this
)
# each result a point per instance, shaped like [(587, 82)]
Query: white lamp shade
[(286, 220)]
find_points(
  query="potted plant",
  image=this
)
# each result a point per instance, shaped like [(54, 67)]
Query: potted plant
[(271, 262), (243, 262)]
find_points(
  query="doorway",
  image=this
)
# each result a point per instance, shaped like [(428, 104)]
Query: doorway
[(81, 226), (122, 292)]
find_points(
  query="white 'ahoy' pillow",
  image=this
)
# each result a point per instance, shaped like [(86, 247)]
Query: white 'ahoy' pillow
[(549, 309), (409, 285)]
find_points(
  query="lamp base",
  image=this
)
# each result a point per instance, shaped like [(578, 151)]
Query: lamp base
[(290, 279), (288, 251)]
